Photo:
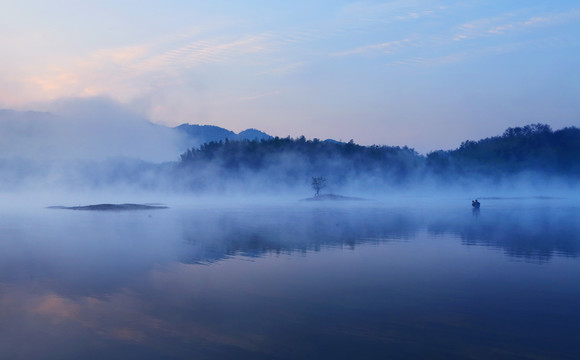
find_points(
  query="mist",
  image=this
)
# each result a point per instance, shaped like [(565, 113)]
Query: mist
[(96, 150), (83, 145), (243, 260), (85, 129), (506, 168)]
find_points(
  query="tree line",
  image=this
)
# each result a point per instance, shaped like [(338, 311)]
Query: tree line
[(532, 148), (288, 160)]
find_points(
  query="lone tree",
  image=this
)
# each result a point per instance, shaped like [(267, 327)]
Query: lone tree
[(318, 183)]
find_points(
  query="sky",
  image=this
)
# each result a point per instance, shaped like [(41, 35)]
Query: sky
[(423, 73)]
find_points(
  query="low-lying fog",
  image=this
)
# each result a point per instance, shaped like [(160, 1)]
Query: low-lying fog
[(85, 129), (238, 266), (84, 151)]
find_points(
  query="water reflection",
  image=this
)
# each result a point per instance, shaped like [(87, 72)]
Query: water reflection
[(334, 282), (535, 234), (256, 232)]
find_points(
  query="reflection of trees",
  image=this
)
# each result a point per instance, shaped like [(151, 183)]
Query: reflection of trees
[(105, 252), (534, 234), (285, 231)]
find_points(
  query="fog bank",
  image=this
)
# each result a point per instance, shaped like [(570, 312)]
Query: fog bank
[(85, 129)]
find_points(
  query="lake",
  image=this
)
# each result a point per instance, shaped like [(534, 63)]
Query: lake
[(293, 280)]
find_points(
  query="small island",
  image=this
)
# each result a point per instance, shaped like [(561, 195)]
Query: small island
[(333, 197), (112, 207), (318, 183)]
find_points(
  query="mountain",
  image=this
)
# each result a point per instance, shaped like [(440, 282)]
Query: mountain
[(205, 133), (196, 135), (253, 134), (101, 130)]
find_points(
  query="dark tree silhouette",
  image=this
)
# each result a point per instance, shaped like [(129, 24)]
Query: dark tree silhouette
[(285, 162), (318, 183)]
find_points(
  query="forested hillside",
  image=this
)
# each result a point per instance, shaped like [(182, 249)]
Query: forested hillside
[(521, 151), (291, 161), (532, 148), (533, 153)]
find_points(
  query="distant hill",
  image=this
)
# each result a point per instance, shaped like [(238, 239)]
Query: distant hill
[(201, 134), (205, 133), (104, 133), (253, 134), (108, 146)]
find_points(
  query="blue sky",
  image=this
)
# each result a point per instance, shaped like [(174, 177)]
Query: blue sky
[(423, 73)]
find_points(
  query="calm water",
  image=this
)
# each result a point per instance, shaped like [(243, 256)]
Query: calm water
[(293, 281)]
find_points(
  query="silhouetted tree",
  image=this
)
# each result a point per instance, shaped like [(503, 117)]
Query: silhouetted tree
[(318, 183)]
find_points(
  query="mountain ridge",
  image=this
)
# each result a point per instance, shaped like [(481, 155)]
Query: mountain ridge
[(207, 133)]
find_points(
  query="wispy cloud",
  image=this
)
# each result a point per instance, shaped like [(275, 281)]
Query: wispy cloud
[(459, 56), (391, 10), (480, 27), (508, 23), (126, 72), (206, 52), (199, 67), (120, 71), (554, 19), (385, 48)]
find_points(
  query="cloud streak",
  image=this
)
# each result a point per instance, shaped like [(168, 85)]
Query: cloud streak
[(500, 25), (321, 60), (459, 56), (122, 72), (388, 47)]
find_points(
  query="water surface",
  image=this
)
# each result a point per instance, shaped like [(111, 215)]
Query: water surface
[(295, 280)]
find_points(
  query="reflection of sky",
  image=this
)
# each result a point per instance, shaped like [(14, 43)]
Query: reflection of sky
[(115, 283), (375, 71)]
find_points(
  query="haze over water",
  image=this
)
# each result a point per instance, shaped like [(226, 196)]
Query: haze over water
[(228, 113), (414, 279)]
